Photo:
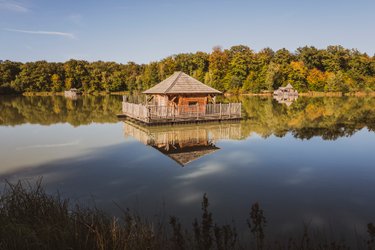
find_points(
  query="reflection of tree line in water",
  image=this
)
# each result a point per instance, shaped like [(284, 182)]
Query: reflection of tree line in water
[(329, 117), (50, 110)]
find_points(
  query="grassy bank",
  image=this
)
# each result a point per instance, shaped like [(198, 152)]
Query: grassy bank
[(97, 93), (32, 219), (311, 93)]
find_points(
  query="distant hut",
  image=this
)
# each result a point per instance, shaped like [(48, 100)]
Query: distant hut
[(181, 89), (288, 90), (72, 93)]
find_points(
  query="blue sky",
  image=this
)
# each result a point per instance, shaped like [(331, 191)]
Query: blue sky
[(149, 30)]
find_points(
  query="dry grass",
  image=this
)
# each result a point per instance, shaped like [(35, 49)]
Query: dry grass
[(32, 219), (42, 93)]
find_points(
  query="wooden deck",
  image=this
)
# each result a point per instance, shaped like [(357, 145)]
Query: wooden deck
[(151, 114)]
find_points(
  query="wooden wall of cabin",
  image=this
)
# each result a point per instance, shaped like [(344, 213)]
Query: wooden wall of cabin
[(181, 100), (161, 100), (189, 103), (186, 103)]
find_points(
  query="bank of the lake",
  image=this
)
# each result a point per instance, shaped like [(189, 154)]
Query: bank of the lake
[(103, 93)]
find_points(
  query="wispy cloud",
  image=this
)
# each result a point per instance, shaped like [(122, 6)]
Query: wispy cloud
[(39, 32), (68, 144), (12, 6)]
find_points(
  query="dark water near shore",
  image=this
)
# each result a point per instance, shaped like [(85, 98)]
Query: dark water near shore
[(311, 162)]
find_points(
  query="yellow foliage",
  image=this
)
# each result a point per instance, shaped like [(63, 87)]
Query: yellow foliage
[(299, 66)]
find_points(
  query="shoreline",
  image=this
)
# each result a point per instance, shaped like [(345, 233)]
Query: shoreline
[(307, 94), (103, 93)]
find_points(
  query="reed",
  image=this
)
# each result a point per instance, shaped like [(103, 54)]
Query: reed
[(32, 219)]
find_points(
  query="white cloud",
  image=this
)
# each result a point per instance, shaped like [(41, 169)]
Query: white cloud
[(74, 143), (12, 6), (204, 170), (50, 33)]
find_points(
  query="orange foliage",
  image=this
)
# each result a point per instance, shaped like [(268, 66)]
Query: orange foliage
[(316, 79)]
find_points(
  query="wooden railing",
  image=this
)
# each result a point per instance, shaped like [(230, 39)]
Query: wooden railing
[(153, 113)]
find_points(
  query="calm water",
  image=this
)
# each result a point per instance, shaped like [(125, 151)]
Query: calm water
[(311, 162)]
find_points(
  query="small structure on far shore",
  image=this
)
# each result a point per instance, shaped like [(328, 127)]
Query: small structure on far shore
[(286, 91), (72, 93), (180, 98)]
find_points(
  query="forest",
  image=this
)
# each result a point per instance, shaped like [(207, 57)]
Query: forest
[(236, 70)]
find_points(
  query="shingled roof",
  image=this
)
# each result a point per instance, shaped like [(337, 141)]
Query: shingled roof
[(185, 155), (181, 83)]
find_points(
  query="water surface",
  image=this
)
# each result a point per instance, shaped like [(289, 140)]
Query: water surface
[(311, 162)]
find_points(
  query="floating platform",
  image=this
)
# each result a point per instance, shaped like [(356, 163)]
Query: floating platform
[(158, 115)]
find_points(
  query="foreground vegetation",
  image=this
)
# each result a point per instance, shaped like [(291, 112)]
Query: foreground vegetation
[(238, 70), (32, 219)]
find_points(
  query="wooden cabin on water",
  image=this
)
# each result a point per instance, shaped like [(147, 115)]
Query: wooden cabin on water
[(180, 98)]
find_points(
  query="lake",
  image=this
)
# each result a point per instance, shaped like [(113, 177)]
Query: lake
[(307, 162)]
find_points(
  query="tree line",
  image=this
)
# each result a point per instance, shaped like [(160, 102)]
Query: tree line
[(236, 70)]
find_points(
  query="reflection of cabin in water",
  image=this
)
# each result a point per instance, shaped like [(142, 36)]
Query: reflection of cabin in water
[(288, 90), (287, 100), (180, 98), (183, 143)]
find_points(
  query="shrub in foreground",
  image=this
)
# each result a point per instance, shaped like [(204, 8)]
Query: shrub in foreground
[(32, 219)]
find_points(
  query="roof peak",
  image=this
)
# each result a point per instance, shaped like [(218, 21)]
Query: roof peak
[(175, 80), (181, 83)]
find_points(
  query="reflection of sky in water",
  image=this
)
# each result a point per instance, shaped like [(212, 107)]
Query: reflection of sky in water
[(296, 181)]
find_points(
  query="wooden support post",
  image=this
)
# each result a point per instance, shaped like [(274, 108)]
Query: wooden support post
[(148, 113), (229, 109), (197, 111), (220, 111)]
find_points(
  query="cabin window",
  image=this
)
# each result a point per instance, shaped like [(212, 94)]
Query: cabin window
[(193, 103)]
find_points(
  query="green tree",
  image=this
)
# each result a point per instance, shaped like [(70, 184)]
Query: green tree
[(76, 74), (297, 76), (217, 70)]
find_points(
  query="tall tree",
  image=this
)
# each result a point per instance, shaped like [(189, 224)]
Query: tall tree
[(218, 66)]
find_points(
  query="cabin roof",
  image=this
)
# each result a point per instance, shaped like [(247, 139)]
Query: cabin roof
[(289, 86), (181, 83), (185, 155)]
